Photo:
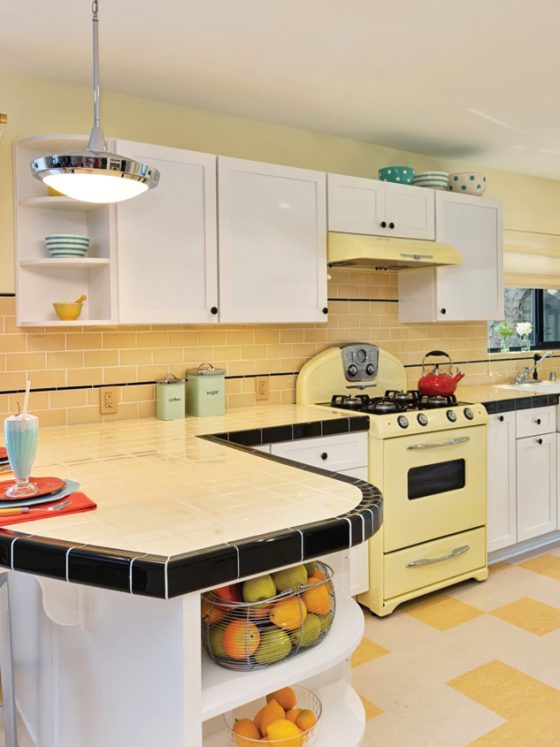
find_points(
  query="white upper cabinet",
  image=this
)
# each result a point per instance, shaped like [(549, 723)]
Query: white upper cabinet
[(368, 206), (472, 290), (167, 240), (41, 279), (272, 243)]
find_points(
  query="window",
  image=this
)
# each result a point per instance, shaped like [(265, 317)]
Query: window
[(539, 307)]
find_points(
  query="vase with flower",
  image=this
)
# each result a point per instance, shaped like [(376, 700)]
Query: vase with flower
[(505, 331), (524, 330)]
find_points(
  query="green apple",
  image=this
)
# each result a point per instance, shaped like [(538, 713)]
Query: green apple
[(326, 621), (290, 578), (216, 642), (275, 645), (311, 567), (308, 633), (258, 589)]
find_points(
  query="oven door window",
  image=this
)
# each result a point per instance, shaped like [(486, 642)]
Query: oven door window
[(431, 479)]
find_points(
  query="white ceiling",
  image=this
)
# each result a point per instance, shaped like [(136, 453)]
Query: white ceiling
[(474, 79)]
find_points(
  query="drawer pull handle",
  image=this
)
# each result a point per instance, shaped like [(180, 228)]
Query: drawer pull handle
[(439, 444), (324, 456), (428, 561), (501, 418), (538, 421), (539, 441)]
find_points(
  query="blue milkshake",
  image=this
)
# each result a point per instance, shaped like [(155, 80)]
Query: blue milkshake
[(20, 432)]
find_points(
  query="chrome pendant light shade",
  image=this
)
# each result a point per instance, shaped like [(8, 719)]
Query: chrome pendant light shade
[(95, 174)]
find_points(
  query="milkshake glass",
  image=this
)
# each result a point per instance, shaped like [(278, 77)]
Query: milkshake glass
[(20, 433)]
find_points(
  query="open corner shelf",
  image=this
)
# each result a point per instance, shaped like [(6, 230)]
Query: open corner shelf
[(66, 262)]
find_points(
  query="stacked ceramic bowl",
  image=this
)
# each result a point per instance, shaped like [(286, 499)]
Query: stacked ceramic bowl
[(469, 183), (67, 245), (400, 174), (432, 179)]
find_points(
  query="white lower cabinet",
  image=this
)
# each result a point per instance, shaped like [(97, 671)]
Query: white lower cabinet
[(345, 453), (522, 479)]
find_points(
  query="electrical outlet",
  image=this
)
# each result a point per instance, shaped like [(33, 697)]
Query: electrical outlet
[(109, 400), (262, 388)]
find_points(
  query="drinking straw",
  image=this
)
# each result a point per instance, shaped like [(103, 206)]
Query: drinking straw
[(26, 397)]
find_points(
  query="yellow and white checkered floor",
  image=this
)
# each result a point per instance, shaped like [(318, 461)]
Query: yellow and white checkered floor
[(474, 664)]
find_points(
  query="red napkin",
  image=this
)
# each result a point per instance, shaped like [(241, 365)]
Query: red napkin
[(3, 452), (80, 502)]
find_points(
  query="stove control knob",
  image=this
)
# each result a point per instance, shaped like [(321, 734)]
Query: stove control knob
[(422, 419), (370, 369), (451, 415), (402, 420), (468, 413), (352, 369)]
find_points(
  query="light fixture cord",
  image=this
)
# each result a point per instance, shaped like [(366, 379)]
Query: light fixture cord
[(96, 139)]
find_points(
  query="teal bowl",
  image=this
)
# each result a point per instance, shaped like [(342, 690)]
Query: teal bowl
[(400, 174)]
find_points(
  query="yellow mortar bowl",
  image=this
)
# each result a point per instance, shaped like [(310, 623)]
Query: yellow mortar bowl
[(68, 312)]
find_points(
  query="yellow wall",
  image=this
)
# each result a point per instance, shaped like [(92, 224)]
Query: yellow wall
[(72, 362)]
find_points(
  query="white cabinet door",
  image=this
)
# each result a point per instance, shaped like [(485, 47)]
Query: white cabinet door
[(372, 207), (536, 486), (272, 243), (359, 555), (472, 290), (502, 502), (167, 240)]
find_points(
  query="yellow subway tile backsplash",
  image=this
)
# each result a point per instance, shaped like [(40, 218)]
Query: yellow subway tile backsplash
[(36, 343), (101, 358), (74, 359), (25, 361), (87, 341)]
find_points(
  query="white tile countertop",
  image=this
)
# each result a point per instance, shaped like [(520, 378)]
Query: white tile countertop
[(162, 491)]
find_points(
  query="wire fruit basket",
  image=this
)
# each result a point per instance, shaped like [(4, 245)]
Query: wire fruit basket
[(305, 700), (245, 636)]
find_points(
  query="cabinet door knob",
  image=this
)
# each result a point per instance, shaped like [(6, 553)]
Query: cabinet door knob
[(391, 225), (443, 311), (214, 310), (539, 440), (383, 224), (538, 421), (324, 456), (501, 418), (325, 310)]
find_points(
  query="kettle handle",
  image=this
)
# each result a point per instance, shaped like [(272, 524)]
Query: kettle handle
[(436, 353)]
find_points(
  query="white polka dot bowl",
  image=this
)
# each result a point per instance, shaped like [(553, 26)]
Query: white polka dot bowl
[(468, 182), (400, 174), (432, 179)]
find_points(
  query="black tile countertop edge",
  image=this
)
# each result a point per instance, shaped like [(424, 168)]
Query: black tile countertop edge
[(163, 577), (520, 403)]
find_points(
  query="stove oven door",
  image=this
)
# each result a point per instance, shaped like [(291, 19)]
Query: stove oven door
[(434, 485)]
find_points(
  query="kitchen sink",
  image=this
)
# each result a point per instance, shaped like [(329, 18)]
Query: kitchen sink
[(548, 387)]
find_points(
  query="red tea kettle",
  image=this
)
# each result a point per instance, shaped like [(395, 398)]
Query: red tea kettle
[(437, 383)]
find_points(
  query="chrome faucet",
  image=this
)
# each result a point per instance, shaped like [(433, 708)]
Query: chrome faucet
[(538, 358), (524, 377)]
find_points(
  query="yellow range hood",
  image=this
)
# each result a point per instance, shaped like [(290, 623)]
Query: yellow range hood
[(387, 253)]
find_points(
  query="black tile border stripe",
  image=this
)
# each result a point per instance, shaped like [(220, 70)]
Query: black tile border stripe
[(165, 577), (367, 300), (521, 403)]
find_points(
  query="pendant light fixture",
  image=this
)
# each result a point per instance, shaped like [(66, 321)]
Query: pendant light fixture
[(95, 174)]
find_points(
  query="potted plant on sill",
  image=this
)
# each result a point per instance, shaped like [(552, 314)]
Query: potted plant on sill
[(505, 331)]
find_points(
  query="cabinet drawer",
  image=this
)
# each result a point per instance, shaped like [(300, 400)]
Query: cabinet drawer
[(535, 421), (337, 453), (401, 578)]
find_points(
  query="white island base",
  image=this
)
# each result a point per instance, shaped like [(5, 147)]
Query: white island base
[(100, 668)]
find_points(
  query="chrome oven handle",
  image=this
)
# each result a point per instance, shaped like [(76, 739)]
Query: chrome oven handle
[(453, 442), (428, 561)]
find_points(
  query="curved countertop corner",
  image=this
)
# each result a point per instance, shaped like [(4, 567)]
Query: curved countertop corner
[(184, 505)]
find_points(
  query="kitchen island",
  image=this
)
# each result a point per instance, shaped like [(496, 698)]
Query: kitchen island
[(106, 604)]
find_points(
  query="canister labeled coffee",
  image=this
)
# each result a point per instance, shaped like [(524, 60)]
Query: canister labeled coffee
[(170, 398), (206, 390)]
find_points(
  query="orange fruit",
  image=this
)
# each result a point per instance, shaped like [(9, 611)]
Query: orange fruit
[(318, 600), (258, 717), (244, 727), (272, 711), (289, 733), (306, 719), (240, 639), (316, 576), (259, 611), (211, 613), (288, 613), (285, 696), (292, 714)]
